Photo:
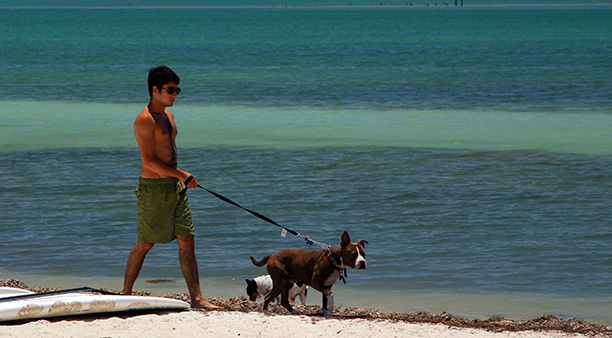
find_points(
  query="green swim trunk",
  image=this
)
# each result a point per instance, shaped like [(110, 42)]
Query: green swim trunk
[(162, 212)]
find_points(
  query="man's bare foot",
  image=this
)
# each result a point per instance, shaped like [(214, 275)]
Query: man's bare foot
[(204, 305)]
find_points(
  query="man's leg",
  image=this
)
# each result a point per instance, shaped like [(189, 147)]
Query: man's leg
[(189, 267), (134, 264)]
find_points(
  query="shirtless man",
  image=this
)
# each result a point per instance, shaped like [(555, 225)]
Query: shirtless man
[(163, 210)]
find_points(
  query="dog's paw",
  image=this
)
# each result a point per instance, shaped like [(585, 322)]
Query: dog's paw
[(326, 313), (296, 312)]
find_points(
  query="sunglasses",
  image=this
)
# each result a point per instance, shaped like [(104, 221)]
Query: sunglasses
[(172, 90)]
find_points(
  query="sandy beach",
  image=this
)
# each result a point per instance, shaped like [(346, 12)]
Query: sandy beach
[(239, 324), (243, 318)]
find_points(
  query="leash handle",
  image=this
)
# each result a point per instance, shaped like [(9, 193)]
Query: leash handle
[(184, 191), (189, 179)]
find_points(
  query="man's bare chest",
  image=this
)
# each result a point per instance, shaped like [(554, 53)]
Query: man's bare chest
[(164, 127)]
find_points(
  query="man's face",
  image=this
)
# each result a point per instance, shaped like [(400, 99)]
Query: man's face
[(168, 93)]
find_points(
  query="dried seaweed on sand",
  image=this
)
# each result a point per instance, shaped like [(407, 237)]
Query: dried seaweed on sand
[(494, 324)]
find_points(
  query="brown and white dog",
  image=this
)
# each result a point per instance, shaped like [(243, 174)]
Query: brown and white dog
[(319, 269)]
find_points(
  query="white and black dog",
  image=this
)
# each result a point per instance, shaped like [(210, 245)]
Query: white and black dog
[(262, 285)]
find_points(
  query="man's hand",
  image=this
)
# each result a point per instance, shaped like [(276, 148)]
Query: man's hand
[(191, 182)]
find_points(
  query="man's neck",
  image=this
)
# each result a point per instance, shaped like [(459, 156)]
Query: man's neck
[(156, 108)]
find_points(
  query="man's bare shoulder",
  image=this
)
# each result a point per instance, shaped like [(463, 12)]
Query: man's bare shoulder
[(169, 114), (144, 118)]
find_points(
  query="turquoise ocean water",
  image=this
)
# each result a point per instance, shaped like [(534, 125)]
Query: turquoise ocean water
[(469, 145)]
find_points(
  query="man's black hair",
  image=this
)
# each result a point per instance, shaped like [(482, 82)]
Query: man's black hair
[(159, 76)]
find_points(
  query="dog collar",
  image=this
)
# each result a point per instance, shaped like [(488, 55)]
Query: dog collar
[(335, 264), (331, 259)]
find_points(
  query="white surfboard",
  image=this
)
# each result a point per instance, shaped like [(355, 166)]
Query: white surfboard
[(19, 304)]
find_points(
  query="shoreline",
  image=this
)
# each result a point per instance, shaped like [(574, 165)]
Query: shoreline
[(241, 310)]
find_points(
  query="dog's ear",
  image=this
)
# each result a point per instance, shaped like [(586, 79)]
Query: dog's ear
[(250, 282), (362, 242), (346, 239)]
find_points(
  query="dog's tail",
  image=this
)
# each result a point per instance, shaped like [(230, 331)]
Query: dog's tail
[(262, 262)]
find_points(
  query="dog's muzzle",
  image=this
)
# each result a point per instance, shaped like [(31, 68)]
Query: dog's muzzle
[(360, 265)]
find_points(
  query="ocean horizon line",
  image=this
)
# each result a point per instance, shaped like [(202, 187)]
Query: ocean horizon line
[(405, 5)]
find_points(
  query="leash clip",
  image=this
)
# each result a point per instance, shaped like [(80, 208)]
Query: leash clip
[(343, 277)]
